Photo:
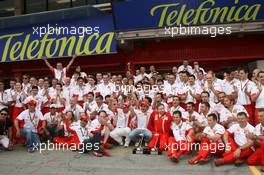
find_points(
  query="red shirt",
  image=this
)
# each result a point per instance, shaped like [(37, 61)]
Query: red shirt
[(160, 123)]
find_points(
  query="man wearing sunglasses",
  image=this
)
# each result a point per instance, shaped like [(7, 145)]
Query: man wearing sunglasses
[(5, 129)]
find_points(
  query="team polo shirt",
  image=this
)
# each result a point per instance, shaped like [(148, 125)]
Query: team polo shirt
[(259, 129), (142, 118), (242, 98), (122, 118), (31, 120), (180, 131), (260, 99), (217, 129), (240, 133)]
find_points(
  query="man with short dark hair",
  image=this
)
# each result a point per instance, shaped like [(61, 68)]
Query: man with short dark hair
[(211, 142), (5, 129), (240, 138), (257, 158), (159, 124)]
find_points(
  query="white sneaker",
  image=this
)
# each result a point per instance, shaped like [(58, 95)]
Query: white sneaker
[(126, 145), (136, 144)]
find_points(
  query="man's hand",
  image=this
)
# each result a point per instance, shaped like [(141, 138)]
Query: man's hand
[(237, 153), (18, 134), (227, 148)]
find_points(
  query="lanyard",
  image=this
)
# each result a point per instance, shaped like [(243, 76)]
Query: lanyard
[(83, 133), (261, 130), (32, 119), (242, 87)]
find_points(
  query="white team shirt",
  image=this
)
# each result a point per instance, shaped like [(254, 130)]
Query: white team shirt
[(188, 69), (226, 113), (217, 129), (31, 119), (76, 109), (36, 98), (178, 108), (122, 118), (240, 133), (142, 118), (179, 131), (60, 74), (105, 89), (90, 107), (260, 99), (259, 129), (242, 98)]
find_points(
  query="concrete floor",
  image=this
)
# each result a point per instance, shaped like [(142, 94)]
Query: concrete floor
[(121, 162)]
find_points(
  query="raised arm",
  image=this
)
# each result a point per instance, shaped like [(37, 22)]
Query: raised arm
[(71, 62), (47, 63)]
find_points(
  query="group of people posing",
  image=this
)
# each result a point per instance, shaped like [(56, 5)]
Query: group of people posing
[(171, 111)]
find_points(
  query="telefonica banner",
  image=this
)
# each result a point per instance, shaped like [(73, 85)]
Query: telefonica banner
[(89, 36), (144, 14)]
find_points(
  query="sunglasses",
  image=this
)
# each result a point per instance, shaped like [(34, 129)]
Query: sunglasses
[(4, 114)]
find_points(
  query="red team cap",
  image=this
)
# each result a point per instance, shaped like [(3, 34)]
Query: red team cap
[(84, 118), (97, 93), (32, 102)]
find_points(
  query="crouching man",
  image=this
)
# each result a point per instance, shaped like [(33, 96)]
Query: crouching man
[(211, 141), (5, 129), (241, 146), (257, 158), (159, 124), (87, 141), (34, 123), (122, 126), (181, 141)]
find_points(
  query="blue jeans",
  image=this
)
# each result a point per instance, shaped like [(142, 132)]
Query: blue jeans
[(134, 135), (32, 138)]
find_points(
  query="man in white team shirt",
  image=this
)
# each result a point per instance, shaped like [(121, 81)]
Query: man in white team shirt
[(140, 122), (59, 72), (246, 89), (179, 143), (228, 84), (122, 128), (259, 97), (75, 108), (257, 158), (3, 96), (80, 91), (228, 115), (105, 88), (53, 123), (205, 97), (170, 87), (185, 67), (211, 142), (241, 146), (213, 86), (176, 105), (34, 123), (90, 105), (34, 96), (194, 90)]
